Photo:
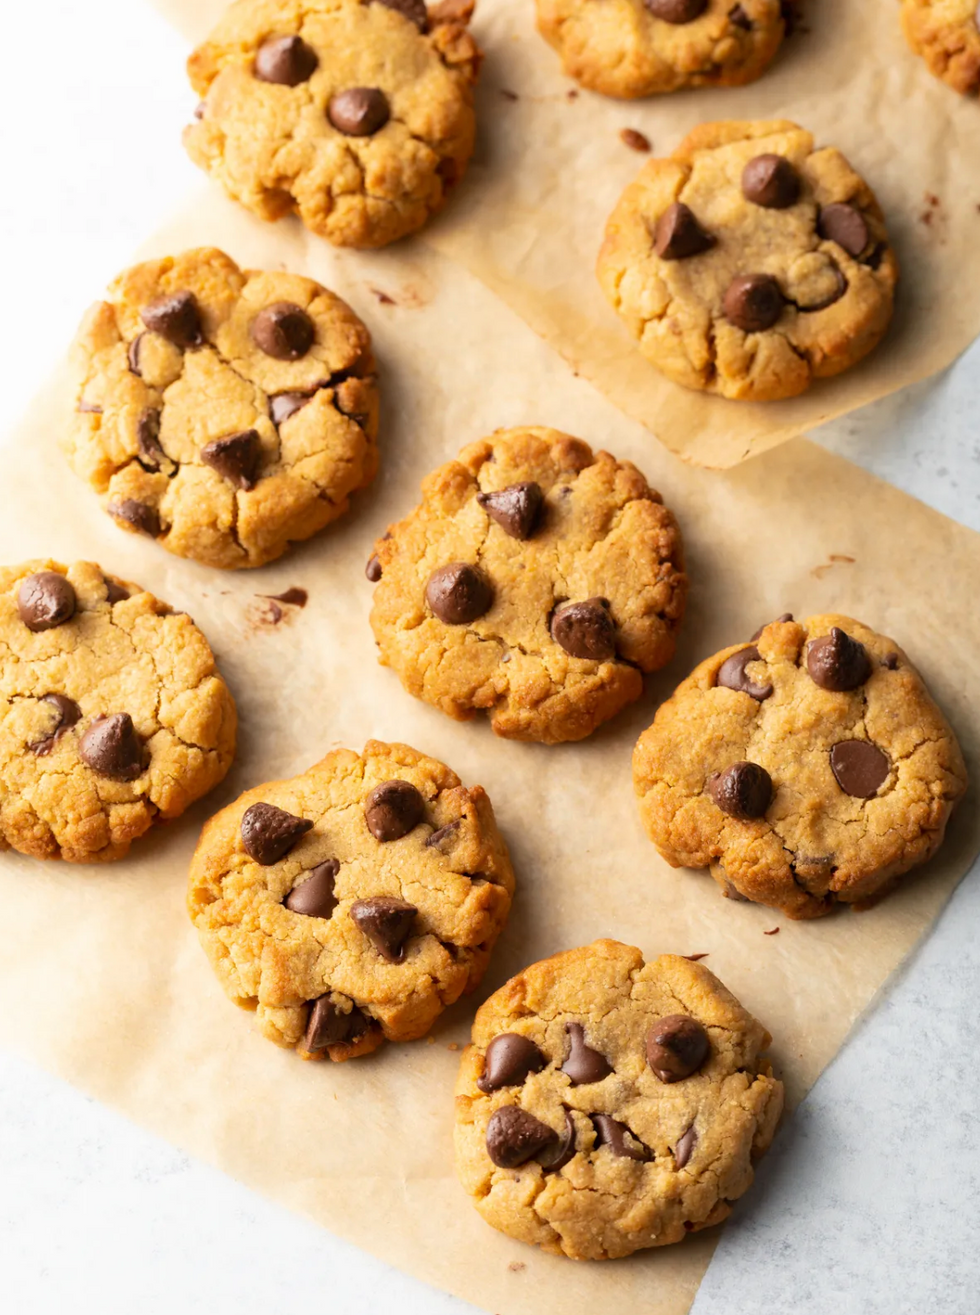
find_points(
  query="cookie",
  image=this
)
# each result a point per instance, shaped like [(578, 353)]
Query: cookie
[(631, 48), (354, 903), (607, 1105), (750, 262), (946, 33), (806, 768), (357, 115), (226, 413), (112, 713), (536, 582)]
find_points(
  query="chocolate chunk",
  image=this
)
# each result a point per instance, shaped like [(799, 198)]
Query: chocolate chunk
[(45, 600), (739, 18), (679, 235), (386, 922), (373, 568), (236, 458), (269, 833), (753, 302), (68, 715), (329, 1026), (114, 593), (314, 896), (359, 111), (860, 767), (393, 809), (283, 331), (287, 61), (844, 225), (514, 1137), (459, 593), (585, 630), (515, 509), (743, 790), (890, 661), (786, 616), (835, 294), (292, 597), (686, 1143), (112, 748), (438, 838), (414, 10), (676, 11), (284, 405), (732, 674), (556, 1157), (837, 662), (677, 1046), (151, 454), (133, 355), (137, 514), (510, 1058), (583, 1063), (771, 181), (620, 1139), (636, 141), (175, 318)]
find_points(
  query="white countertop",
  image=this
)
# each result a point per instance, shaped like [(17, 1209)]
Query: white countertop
[(868, 1201)]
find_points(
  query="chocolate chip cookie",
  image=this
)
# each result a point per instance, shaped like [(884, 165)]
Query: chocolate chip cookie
[(112, 713), (806, 768), (355, 114), (226, 413), (354, 903), (536, 582), (607, 1105), (633, 48), (750, 262), (946, 33)]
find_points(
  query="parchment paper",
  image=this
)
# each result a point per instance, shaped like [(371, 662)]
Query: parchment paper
[(529, 218), (102, 977)]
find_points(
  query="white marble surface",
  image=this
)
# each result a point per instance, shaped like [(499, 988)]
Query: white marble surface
[(867, 1203)]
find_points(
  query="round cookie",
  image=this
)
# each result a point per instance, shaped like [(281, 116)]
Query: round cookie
[(226, 413), (633, 48), (355, 114), (607, 1105), (946, 33), (112, 713), (536, 581), (808, 767), (354, 903), (750, 263)]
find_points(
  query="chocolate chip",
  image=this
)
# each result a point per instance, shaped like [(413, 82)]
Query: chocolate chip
[(359, 111), (770, 181), (620, 1139), (753, 302), (293, 596), (151, 454), (743, 790), (890, 660), (236, 458), (314, 896), (740, 18), (438, 838), (373, 568), (679, 235), (684, 1149), (515, 509), (732, 674), (780, 620), (112, 748), (514, 1136), (175, 318), (283, 331), (556, 1157), (459, 593), (284, 405), (676, 11), (68, 715), (844, 225), (329, 1026), (133, 355), (137, 514), (859, 767), (677, 1046), (585, 630), (269, 833), (393, 809), (510, 1058), (583, 1063), (114, 592), (414, 10), (386, 922), (837, 662), (636, 141), (287, 61), (45, 600)]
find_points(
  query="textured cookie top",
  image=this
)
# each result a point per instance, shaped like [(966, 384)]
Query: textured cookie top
[(635, 48), (750, 262), (607, 1105), (112, 713), (536, 581), (946, 33), (357, 114), (353, 903), (807, 767), (223, 412)]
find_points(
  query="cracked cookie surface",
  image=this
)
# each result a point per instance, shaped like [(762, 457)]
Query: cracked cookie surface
[(946, 33), (112, 713), (355, 114), (226, 413), (536, 581), (632, 48), (806, 768), (366, 899), (750, 262), (571, 1134)]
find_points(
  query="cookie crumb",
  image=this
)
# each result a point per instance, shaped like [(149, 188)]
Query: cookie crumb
[(636, 141), (773, 932), (571, 94), (383, 297), (453, 1045), (516, 1266), (509, 95)]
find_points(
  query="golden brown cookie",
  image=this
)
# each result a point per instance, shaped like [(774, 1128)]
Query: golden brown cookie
[(946, 33)]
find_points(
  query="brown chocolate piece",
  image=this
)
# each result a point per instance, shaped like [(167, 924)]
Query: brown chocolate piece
[(176, 318), (844, 225), (732, 674), (329, 1026), (770, 181), (515, 509), (314, 896), (373, 568), (620, 1139), (236, 458), (585, 630), (679, 235), (860, 768), (753, 302), (45, 600), (837, 662), (413, 10), (676, 11), (359, 111), (687, 1141), (283, 331), (510, 1058), (743, 790), (286, 61), (393, 809), (69, 713), (386, 922), (269, 833), (141, 517), (459, 593), (677, 1046), (514, 1136), (584, 1064), (112, 748)]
